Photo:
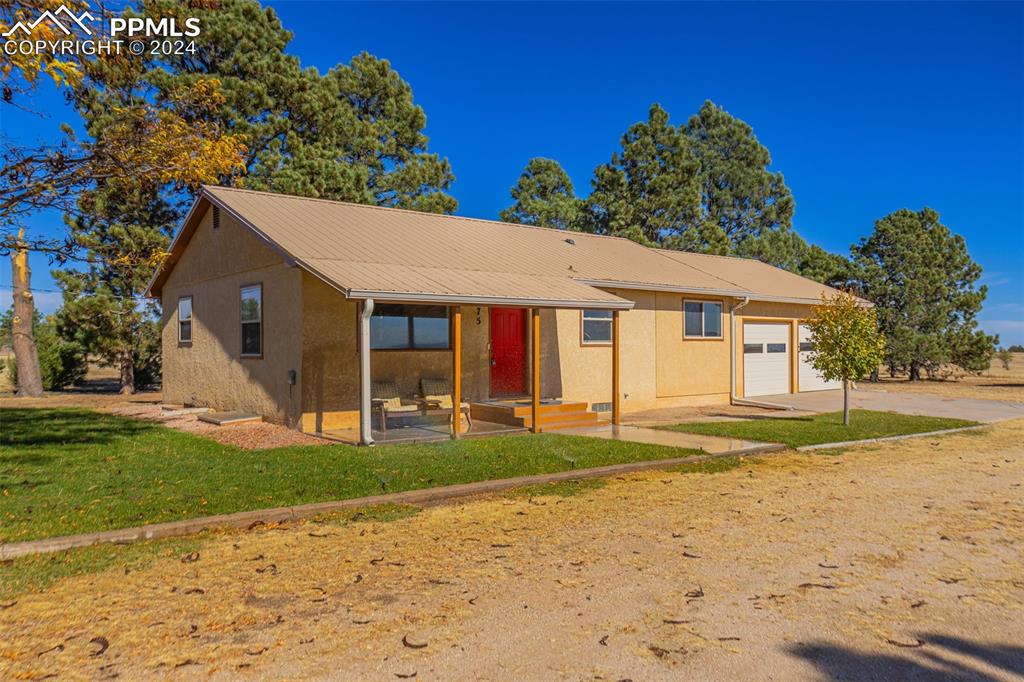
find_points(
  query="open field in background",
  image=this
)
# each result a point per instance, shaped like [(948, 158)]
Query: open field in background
[(896, 560), (995, 383)]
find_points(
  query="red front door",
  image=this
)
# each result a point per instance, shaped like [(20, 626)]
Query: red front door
[(508, 351)]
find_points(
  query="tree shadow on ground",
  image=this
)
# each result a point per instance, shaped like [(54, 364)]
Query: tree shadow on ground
[(26, 428), (931, 661)]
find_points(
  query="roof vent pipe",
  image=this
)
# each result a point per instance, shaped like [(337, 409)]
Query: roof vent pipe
[(733, 399)]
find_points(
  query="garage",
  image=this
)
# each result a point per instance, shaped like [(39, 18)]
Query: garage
[(810, 380), (765, 358)]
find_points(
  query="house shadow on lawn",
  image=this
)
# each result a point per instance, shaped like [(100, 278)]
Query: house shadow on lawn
[(25, 427), (940, 657)]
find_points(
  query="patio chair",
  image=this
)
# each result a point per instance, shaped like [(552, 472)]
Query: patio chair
[(437, 399), (385, 398)]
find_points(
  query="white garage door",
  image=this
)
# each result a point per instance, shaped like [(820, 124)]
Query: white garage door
[(765, 359), (810, 380)]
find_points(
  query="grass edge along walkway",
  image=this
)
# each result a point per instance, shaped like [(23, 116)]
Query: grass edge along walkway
[(253, 519), (827, 428)]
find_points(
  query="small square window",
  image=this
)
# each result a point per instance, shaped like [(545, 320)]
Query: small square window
[(597, 326), (776, 348), (252, 320), (185, 319), (702, 319), (749, 348)]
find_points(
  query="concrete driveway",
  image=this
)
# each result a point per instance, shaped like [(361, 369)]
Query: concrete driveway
[(987, 411)]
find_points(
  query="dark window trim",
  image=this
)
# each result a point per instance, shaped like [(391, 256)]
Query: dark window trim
[(583, 318), (412, 334), (702, 336), (241, 325), (191, 323)]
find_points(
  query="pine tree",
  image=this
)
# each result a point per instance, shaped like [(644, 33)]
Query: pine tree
[(544, 196), (923, 282), (739, 196), (649, 191)]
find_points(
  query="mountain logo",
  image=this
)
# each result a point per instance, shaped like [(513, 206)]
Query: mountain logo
[(66, 26)]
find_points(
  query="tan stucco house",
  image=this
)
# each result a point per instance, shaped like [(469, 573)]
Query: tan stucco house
[(291, 308)]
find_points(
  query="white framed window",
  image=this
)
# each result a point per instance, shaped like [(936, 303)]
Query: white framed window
[(596, 327), (185, 319), (702, 319), (252, 320)]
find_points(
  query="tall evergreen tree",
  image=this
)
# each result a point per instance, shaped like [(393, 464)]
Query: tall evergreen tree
[(739, 196), (923, 282), (356, 134), (544, 196), (649, 191)]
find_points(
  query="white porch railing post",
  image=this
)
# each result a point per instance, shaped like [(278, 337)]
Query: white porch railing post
[(365, 413)]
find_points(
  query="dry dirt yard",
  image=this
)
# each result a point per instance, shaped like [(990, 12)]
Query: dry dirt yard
[(895, 561)]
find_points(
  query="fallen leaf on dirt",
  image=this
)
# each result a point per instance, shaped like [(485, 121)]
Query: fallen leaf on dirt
[(824, 565), (190, 557), (187, 661), (669, 621), (696, 594), (58, 649), (824, 586), (195, 590), (406, 676), (7, 606), (413, 645), (691, 556), (257, 652), (102, 643), (603, 641), (269, 568), (906, 644)]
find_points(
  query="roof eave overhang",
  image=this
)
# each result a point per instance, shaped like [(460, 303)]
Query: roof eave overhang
[(672, 288), (509, 301)]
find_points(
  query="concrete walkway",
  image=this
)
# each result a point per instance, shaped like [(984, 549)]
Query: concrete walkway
[(985, 411), (638, 434)]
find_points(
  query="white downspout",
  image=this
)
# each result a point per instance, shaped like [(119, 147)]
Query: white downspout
[(733, 399), (365, 414)]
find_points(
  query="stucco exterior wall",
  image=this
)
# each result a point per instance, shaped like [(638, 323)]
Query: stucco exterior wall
[(210, 371)]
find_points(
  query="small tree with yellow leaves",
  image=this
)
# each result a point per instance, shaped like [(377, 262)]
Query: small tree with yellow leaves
[(846, 342)]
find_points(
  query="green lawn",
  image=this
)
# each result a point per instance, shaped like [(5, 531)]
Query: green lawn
[(822, 428), (73, 471)]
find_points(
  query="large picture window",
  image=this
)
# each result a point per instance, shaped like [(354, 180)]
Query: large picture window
[(407, 327), (702, 319), (597, 327), (185, 319), (252, 320)]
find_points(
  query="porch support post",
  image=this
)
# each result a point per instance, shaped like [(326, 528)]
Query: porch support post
[(535, 367), (456, 370), (365, 414), (616, 385)]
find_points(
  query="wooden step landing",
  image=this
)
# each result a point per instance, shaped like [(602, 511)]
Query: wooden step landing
[(552, 416)]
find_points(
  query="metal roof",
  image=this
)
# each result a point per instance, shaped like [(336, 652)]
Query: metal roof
[(393, 254)]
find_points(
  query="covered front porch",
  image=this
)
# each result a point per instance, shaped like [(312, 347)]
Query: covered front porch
[(500, 376)]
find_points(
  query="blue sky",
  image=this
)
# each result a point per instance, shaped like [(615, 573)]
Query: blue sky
[(866, 108)]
